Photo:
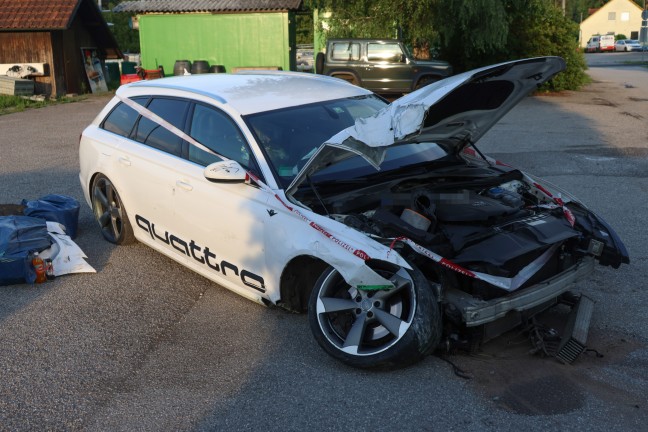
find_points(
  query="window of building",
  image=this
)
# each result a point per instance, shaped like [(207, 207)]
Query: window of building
[(611, 16)]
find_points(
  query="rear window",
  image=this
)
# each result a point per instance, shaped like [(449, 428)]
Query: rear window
[(122, 118)]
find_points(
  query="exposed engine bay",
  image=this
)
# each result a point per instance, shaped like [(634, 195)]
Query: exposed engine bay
[(490, 219)]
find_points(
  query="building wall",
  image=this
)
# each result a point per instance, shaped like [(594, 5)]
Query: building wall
[(30, 47), (616, 16), (59, 49), (231, 40)]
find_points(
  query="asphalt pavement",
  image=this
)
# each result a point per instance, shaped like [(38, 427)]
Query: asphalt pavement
[(145, 344)]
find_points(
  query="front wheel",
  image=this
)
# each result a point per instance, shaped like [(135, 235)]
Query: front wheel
[(383, 329)]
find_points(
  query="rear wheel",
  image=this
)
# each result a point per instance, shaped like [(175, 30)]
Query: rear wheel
[(383, 329), (110, 213), (319, 63)]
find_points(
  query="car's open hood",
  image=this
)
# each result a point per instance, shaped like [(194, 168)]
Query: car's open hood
[(453, 113)]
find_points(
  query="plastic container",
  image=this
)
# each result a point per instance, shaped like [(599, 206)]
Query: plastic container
[(112, 75), (19, 237), (128, 67), (181, 66), (199, 67), (39, 268), (49, 269), (129, 78), (56, 208), (507, 197)]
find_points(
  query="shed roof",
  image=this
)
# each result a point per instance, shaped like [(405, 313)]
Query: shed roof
[(51, 15), (37, 14), (143, 6)]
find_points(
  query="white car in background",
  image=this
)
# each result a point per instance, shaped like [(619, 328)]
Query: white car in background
[(627, 45), (383, 222)]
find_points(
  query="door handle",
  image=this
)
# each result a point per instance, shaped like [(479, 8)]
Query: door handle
[(184, 185), (124, 161)]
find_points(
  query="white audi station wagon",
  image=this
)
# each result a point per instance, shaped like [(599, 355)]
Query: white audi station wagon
[(384, 222)]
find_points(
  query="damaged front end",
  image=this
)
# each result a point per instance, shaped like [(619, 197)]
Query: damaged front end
[(496, 245)]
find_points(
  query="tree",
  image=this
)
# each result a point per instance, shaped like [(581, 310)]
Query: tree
[(410, 20), (127, 38), (517, 30), (538, 28), (466, 41)]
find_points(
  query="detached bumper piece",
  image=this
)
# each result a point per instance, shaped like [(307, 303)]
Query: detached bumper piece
[(574, 340)]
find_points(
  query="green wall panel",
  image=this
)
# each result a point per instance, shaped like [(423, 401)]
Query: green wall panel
[(232, 40)]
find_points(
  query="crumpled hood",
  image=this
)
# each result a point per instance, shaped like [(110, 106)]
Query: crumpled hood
[(453, 113)]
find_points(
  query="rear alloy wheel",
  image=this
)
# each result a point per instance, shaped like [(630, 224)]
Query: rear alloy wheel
[(110, 213), (383, 329)]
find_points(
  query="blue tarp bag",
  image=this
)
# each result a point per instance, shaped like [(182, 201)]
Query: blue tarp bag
[(56, 208), (19, 236)]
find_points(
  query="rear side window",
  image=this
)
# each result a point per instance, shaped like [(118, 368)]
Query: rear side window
[(152, 134), (345, 51), (388, 52), (122, 119)]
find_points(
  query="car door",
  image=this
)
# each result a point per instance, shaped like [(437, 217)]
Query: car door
[(387, 68), (148, 168), (221, 224)]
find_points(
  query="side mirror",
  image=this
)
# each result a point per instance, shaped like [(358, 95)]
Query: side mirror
[(225, 172)]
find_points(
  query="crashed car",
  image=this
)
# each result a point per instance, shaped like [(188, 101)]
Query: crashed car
[(384, 222)]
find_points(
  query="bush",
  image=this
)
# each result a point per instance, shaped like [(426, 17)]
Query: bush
[(541, 29)]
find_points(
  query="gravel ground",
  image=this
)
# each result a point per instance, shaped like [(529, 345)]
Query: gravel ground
[(145, 344)]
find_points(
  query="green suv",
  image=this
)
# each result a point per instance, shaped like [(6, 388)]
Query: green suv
[(380, 65)]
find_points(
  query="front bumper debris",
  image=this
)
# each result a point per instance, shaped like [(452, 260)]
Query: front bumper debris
[(477, 312)]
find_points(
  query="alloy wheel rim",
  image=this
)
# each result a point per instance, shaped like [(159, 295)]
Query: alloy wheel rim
[(365, 323)]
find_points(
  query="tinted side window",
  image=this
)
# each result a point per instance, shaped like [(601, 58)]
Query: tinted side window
[(122, 118), (345, 51), (388, 52), (152, 134), (215, 130)]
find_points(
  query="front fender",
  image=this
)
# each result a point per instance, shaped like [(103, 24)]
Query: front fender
[(290, 234)]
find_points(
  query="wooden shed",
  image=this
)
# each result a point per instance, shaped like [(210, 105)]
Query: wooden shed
[(234, 34), (58, 34)]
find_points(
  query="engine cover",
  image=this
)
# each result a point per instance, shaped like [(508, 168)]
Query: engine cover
[(468, 206)]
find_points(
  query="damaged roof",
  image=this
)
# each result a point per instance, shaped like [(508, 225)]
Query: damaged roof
[(140, 6), (37, 14)]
